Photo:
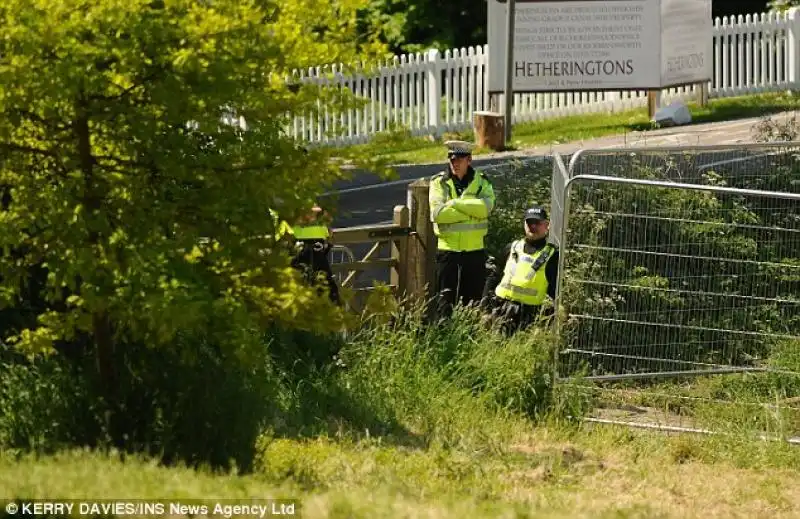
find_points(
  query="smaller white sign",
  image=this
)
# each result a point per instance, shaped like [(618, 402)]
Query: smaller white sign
[(687, 42)]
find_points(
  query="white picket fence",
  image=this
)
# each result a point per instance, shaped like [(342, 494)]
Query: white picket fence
[(432, 93)]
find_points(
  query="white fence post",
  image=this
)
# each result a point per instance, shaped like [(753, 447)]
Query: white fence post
[(433, 95), (793, 47)]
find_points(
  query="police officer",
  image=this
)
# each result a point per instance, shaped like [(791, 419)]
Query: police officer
[(310, 236), (461, 200), (515, 293)]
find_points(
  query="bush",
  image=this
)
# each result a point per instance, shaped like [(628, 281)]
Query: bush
[(188, 403)]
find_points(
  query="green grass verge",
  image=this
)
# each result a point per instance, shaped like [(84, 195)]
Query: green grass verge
[(401, 148), (550, 473), (451, 421)]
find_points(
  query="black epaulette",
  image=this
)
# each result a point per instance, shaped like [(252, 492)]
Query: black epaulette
[(544, 257)]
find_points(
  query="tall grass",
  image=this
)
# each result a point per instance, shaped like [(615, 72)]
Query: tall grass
[(403, 419), (452, 385)]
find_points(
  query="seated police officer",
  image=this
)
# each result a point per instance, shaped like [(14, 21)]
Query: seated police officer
[(515, 292), (312, 235), (311, 247)]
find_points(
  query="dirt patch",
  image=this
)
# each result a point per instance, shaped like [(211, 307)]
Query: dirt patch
[(647, 417)]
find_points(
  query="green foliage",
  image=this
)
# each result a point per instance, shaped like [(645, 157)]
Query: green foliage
[(142, 220), (135, 213), (449, 383), (455, 386), (419, 25), (782, 5), (54, 403)]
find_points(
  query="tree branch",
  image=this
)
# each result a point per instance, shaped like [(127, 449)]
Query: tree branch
[(139, 82), (235, 169), (7, 146)]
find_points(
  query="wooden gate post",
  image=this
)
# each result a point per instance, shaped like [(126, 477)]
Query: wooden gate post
[(399, 273), (421, 246)]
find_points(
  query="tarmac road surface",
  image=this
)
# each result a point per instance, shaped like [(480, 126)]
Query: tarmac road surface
[(365, 200)]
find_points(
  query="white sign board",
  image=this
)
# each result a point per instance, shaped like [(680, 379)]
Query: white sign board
[(574, 45), (687, 42)]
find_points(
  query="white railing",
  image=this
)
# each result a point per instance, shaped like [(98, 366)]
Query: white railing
[(434, 92)]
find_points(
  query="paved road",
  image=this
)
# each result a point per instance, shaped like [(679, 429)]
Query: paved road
[(365, 199)]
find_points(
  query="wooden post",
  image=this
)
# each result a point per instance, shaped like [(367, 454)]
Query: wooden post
[(421, 247), (489, 130), (702, 93), (399, 273), (653, 100)]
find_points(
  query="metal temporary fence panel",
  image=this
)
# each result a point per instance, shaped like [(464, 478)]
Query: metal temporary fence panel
[(765, 166), (558, 183), (665, 278)]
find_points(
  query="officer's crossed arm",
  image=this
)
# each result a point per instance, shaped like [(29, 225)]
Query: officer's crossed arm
[(479, 207), (443, 211)]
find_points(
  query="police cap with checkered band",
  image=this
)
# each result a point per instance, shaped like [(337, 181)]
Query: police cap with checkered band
[(458, 149)]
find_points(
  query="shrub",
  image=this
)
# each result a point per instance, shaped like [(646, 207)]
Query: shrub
[(189, 403)]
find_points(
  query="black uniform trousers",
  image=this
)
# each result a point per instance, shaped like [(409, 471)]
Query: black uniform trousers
[(460, 279), (514, 316), (311, 259)]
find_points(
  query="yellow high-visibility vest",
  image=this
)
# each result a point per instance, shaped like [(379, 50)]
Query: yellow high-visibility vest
[(300, 232), (311, 232), (460, 222), (524, 279)]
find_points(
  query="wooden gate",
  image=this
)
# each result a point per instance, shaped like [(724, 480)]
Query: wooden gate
[(375, 239), (409, 258)]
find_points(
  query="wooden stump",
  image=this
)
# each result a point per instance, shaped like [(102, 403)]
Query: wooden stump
[(489, 130), (653, 102), (702, 94)]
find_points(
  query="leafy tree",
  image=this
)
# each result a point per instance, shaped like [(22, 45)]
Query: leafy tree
[(782, 5), (143, 212), (417, 25)]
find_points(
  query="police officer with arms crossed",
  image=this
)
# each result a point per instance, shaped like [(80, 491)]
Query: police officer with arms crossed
[(461, 200), (515, 293)]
